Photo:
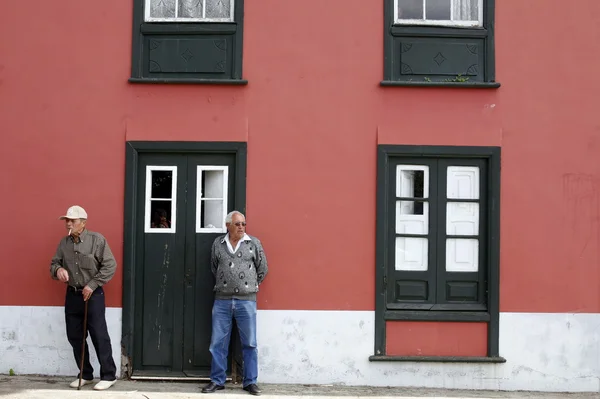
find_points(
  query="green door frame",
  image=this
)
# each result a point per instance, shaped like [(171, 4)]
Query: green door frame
[(132, 151)]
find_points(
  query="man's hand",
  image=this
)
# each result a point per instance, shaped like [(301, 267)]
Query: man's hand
[(62, 274), (87, 293)]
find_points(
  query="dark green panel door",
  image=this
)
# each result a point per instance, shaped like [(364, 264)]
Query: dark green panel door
[(182, 200), (160, 257), (213, 194)]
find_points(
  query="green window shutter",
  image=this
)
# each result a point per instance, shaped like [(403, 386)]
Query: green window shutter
[(190, 52)]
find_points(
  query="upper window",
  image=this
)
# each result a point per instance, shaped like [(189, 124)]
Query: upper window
[(187, 41), (439, 42), (439, 12), (189, 10)]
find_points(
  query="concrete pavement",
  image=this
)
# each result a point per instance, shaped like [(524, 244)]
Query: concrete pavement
[(39, 387)]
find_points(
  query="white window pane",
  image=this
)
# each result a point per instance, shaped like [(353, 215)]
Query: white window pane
[(162, 8), (462, 218), (462, 255), (437, 9), (162, 184), (412, 181), (463, 182), (211, 216), (412, 217), (190, 9), (465, 10), (410, 9), (439, 12), (411, 254), (218, 8), (211, 198), (212, 184)]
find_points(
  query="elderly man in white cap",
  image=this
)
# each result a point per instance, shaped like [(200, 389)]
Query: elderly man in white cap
[(84, 262)]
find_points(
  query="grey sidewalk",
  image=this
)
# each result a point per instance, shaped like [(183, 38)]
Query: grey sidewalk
[(34, 387)]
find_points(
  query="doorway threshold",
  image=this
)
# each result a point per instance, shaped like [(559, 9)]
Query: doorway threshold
[(172, 376)]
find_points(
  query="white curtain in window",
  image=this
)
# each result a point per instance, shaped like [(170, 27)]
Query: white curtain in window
[(190, 8), (465, 10), (162, 8)]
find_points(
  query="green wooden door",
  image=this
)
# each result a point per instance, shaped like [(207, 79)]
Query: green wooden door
[(182, 200)]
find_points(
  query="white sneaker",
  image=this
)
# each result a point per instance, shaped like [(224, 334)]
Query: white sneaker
[(75, 383), (102, 385)]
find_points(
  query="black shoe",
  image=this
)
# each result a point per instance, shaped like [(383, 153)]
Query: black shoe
[(212, 387), (252, 389)]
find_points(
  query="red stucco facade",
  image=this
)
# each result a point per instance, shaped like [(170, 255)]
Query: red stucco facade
[(312, 114)]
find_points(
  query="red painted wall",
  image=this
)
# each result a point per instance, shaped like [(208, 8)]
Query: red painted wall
[(417, 338), (312, 114)]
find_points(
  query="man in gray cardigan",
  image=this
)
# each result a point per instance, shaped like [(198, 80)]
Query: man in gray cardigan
[(239, 265)]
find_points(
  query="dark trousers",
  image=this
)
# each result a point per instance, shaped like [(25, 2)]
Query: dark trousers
[(96, 326)]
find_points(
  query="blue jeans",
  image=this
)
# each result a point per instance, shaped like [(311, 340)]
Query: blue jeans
[(223, 313)]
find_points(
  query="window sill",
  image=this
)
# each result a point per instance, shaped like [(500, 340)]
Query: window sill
[(438, 359), (228, 82), (470, 85)]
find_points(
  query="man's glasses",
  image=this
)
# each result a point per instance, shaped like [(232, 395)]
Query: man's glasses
[(238, 224)]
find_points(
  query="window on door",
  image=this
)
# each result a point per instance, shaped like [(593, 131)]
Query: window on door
[(161, 199), (211, 202)]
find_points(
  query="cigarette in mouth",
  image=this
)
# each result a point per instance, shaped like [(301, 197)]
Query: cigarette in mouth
[(69, 231)]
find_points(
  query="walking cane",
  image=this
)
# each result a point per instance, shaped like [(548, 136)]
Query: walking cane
[(83, 344)]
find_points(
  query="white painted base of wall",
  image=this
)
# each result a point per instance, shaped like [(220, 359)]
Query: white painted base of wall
[(33, 340), (544, 351)]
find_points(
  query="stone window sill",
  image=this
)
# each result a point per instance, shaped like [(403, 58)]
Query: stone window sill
[(472, 85), (227, 82), (438, 359)]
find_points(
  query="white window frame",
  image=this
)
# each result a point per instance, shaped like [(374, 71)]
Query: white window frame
[(199, 199), (413, 168), (400, 168), (147, 217), (436, 22), (148, 18)]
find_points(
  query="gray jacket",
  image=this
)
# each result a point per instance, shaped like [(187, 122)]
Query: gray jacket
[(238, 274)]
